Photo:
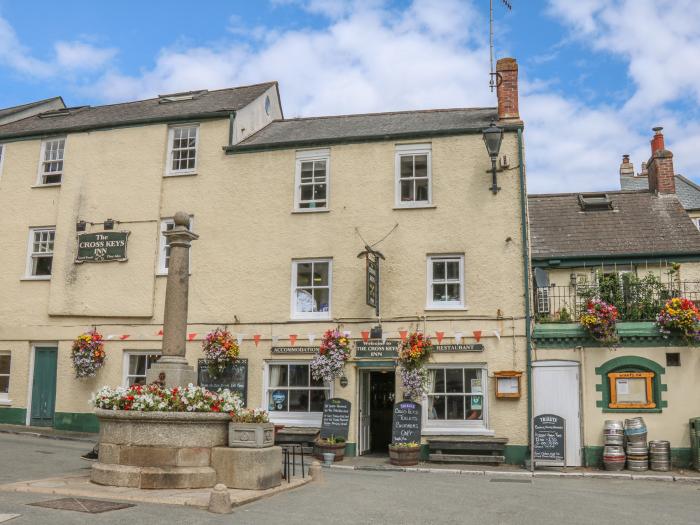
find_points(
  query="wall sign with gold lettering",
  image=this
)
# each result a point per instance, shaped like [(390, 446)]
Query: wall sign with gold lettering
[(106, 246)]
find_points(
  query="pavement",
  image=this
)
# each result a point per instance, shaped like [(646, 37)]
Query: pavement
[(352, 496)]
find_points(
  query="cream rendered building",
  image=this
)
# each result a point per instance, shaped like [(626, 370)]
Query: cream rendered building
[(282, 208)]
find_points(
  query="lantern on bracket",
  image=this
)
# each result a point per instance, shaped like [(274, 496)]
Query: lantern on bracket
[(493, 136)]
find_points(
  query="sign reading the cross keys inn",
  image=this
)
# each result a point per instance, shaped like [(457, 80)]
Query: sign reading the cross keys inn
[(376, 348), (106, 246)]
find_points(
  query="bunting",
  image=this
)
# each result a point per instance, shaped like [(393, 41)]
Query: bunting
[(256, 338)]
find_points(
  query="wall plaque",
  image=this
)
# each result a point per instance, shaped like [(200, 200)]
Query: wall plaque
[(294, 349), (377, 348), (106, 246), (406, 423), (549, 442), (235, 378), (446, 349), (336, 418)]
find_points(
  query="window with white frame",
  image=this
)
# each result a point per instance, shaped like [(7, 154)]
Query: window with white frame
[(292, 389), (40, 257), (696, 220), (51, 164), (5, 365), (456, 393), (182, 150), (446, 281), (164, 243), (543, 300), (311, 180), (136, 364), (413, 175), (311, 289), (2, 157)]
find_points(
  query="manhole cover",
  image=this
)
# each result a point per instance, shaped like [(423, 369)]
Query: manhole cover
[(91, 506), (510, 480)]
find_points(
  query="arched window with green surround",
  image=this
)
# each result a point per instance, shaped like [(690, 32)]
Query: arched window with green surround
[(631, 384)]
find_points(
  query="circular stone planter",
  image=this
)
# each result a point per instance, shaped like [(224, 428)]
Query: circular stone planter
[(338, 449), (158, 450), (404, 456)]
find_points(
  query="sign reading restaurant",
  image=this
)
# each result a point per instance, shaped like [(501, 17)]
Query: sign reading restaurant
[(104, 246)]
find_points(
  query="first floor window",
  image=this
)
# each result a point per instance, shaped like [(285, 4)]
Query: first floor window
[(164, 260), (543, 300), (312, 180), (456, 393), (51, 165), (311, 289), (41, 241), (446, 281), (292, 389), (183, 150), (5, 362), (137, 364)]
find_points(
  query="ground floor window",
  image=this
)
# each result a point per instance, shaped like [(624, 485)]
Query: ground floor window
[(136, 365), (292, 389), (456, 393), (5, 362)]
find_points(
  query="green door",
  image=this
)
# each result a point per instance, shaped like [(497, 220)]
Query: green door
[(44, 387)]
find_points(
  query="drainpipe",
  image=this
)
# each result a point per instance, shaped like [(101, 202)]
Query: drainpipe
[(231, 123), (526, 283)]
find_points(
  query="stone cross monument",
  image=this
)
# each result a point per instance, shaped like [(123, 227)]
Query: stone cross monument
[(172, 368)]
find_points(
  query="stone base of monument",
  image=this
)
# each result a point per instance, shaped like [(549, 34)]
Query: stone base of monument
[(174, 372), (158, 450), (248, 468)]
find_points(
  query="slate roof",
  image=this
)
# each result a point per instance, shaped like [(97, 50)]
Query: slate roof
[(687, 191), (370, 126), (4, 112), (640, 224), (205, 104)]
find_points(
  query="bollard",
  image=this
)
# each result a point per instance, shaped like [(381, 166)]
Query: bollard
[(219, 500), (315, 471)]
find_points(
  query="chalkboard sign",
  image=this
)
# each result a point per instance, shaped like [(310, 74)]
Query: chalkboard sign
[(235, 378), (336, 418), (549, 442), (407, 421)]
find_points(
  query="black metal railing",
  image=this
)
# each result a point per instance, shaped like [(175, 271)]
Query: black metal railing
[(635, 301)]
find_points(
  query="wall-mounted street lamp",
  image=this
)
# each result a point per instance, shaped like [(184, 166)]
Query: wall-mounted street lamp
[(80, 226), (109, 224), (493, 135)]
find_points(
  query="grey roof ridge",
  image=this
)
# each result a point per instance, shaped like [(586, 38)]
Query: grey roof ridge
[(370, 114), (576, 193), (688, 181), (538, 257), (28, 105)]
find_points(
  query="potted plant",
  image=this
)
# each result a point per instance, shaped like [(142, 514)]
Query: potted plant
[(679, 317), (413, 354), (404, 454), (250, 428), (220, 351), (599, 320), (88, 354), (331, 444)]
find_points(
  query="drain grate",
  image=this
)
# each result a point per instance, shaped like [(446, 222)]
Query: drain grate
[(510, 480), (91, 506)]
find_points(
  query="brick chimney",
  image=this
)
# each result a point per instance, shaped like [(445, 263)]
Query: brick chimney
[(507, 89), (626, 168), (660, 166)]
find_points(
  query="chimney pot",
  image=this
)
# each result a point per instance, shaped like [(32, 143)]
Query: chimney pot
[(662, 178), (657, 141), (626, 168), (507, 88)]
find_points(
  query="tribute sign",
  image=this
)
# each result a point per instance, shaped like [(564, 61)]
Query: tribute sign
[(406, 426), (336, 418), (447, 349), (104, 246), (549, 442), (234, 378), (377, 348)]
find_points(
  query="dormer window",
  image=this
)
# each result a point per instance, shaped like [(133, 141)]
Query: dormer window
[(180, 97), (595, 202)]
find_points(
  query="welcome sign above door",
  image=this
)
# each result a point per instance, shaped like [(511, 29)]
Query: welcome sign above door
[(106, 246)]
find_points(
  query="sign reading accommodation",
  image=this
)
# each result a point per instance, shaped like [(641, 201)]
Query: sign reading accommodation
[(104, 246), (377, 348), (234, 378), (406, 422), (336, 418), (447, 349), (548, 438), (294, 349)]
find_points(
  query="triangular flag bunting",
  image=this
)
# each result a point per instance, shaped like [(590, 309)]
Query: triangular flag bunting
[(111, 336), (191, 336), (124, 336), (347, 333), (439, 336), (384, 336), (365, 335), (458, 337), (275, 340), (477, 335), (239, 338), (159, 332), (403, 334), (293, 339), (312, 338), (497, 333), (256, 338)]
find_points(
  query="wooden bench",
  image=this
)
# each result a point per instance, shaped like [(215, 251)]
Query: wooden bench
[(467, 449)]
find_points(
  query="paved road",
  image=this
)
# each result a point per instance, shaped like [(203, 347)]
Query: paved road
[(359, 497)]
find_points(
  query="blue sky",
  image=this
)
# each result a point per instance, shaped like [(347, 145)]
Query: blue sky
[(596, 75)]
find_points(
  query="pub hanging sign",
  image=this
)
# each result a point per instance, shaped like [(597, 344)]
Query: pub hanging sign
[(106, 246)]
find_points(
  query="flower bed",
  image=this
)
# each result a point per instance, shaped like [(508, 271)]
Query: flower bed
[(153, 398), (680, 317), (88, 354), (599, 320), (329, 363)]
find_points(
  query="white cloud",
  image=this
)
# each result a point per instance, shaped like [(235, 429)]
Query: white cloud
[(79, 55)]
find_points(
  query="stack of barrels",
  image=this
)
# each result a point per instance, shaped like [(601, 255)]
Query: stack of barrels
[(637, 451), (660, 455), (614, 451)]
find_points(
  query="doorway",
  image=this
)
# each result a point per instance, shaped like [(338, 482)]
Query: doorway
[(44, 386), (556, 390), (377, 396)]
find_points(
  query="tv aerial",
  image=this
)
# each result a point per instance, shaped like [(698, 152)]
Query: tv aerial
[(494, 80)]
